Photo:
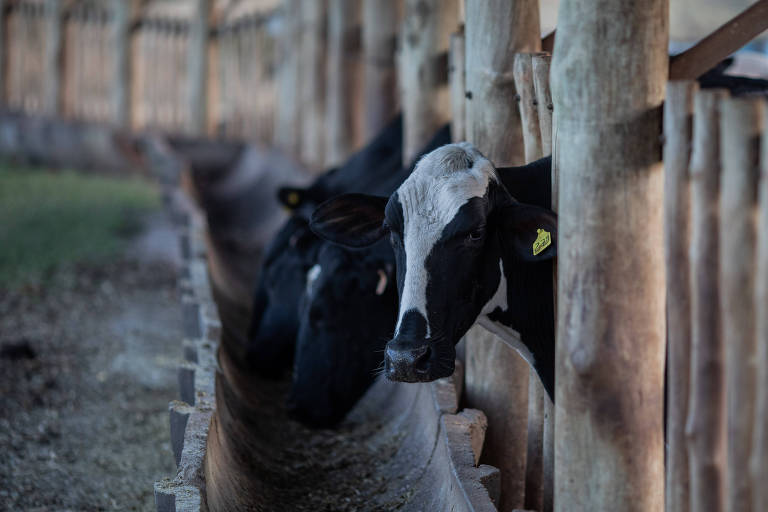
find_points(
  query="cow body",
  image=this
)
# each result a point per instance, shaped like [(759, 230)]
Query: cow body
[(464, 253)]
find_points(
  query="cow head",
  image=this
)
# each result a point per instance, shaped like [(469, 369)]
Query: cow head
[(453, 227), (346, 316)]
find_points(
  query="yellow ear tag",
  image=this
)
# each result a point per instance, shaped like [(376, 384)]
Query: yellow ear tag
[(293, 198), (543, 240)]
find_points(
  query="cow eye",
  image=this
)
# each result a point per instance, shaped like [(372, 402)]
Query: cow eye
[(476, 235)]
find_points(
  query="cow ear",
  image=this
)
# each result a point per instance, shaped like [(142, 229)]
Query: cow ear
[(291, 197), (353, 220), (529, 231)]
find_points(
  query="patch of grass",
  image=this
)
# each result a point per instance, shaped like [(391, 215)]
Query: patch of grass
[(50, 221)]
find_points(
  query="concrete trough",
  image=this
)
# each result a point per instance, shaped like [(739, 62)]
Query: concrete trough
[(230, 440)]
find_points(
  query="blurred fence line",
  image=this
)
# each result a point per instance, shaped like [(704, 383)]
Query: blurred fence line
[(198, 67)]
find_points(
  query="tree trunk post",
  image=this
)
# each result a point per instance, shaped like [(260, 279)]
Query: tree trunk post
[(526, 96), (54, 38), (678, 117), (121, 77), (740, 126), (497, 378), (609, 389), (344, 86), (759, 458), (491, 117), (427, 25), (381, 20), (197, 67), (457, 78), (314, 44), (705, 425)]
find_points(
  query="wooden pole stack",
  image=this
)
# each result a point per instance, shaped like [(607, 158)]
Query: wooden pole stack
[(121, 78), (497, 378), (427, 25), (611, 322), (678, 116), (759, 458), (740, 127), (381, 22)]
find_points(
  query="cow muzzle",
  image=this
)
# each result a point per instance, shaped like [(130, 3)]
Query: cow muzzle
[(408, 361)]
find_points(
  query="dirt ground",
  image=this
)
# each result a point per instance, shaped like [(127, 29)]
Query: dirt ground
[(87, 368)]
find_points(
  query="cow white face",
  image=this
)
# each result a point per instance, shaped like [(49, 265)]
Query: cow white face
[(450, 224)]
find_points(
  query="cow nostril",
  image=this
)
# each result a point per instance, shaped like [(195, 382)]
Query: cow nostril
[(421, 361)]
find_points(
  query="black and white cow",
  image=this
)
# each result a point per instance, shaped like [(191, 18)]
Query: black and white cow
[(464, 248)]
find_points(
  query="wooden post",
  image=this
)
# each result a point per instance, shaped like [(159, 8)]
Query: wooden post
[(526, 96), (497, 379), (314, 44), (4, 52), (740, 126), (287, 132), (344, 81), (609, 390), (457, 77), (759, 459), (197, 67), (381, 20), (427, 25), (226, 101), (540, 64), (705, 426), (678, 117), (121, 77), (490, 85)]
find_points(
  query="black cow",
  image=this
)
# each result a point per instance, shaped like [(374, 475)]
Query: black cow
[(292, 252), (467, 251), (346, 316)]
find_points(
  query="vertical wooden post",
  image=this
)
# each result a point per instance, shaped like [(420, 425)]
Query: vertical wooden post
[(314, 43), (678, 126), (705, 426), (457, 76), (226, 101), (4, 51), (197, 67), (287, 134), (540, 64), (529, 115), (497, 379), (609, 404), (427, 25), (759, 459), (54, 38), (121, 59), (344, 86), (526, 96), (490, 85), (740, 126), (381, 20)]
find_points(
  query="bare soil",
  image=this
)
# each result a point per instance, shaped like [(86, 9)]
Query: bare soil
[(87, 368)]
